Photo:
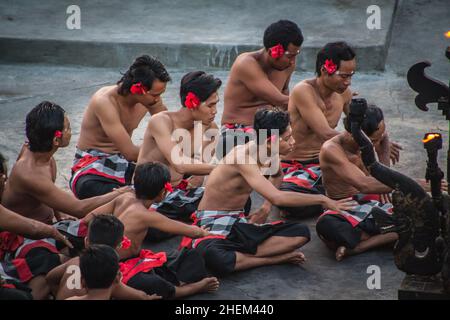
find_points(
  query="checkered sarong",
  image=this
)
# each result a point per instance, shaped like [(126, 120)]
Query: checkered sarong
[(95, 162), (302, 175), (362, 211)]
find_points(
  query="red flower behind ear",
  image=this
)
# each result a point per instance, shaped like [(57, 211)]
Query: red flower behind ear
[(191, 101), (330, 66), (168, 187), (138, 88), (126, 243), (58, 134), (277, 51)]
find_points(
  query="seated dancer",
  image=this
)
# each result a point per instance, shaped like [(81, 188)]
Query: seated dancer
[(105, 154), (237, 244), (103, 230), (30, 189), (186, 153), (13, 229), (258, 78), (344, 175), (156, 273), (315, 107), (99, 267)]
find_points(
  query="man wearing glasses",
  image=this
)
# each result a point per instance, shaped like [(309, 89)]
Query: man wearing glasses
[(315, 108)]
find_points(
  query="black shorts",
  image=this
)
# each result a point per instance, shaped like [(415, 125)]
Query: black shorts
[(91, 185), (186, 266), (340, 232), (220, 254)]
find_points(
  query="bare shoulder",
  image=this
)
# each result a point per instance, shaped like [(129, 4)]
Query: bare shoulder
[(246, 63), (347, 95), (103, 99), (160, 120), (331, 150)]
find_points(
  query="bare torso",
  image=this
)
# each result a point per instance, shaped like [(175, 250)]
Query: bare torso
[(92, 135), (307, 142), (17, 197), (334, 186), (226, 188), (240, 104), (150, 151)]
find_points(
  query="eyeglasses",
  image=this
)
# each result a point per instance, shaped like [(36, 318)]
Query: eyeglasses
[(291, 54), (344, 75)]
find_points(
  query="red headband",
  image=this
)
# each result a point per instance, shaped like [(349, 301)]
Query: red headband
[(138, 88), (277, 51), (330, 66), (191, 101)]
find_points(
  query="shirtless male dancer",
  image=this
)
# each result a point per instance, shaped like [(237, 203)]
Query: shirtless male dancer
[(344, 175), (105, 152), (259, 78), (187, 153), (30, 189), (316, 106), (236, 243)]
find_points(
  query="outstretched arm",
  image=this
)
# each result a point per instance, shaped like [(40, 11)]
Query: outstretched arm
[(33, 229)]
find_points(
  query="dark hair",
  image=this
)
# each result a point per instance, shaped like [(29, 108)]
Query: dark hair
[(99, 265), (3, 167), (149, 179), (270, 119), (200, 83), (145, 69), (41, 124), (282, 32), (105, 229), (336, 51), (372, 119)]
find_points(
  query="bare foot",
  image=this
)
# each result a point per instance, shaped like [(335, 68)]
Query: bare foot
[(295, 257), (340, 253), (209, 284)]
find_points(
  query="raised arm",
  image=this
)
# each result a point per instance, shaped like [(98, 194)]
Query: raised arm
[(348, 172), (160, 127), (303, 100), (112, 126), (251, 75)]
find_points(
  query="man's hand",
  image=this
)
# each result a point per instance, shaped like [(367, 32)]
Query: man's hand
[(260, 216), (59, 237), (385, 198), (394, 152), (340, 205), (201, 232)]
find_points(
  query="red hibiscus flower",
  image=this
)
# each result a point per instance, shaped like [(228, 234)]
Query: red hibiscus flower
[(168, 187), (126, 243), (58, 134), (330, 66), (138, 88), (191, 101), (277, 51)]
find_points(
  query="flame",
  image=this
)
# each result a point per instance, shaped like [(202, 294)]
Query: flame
[(431, 136), (447, 34)]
